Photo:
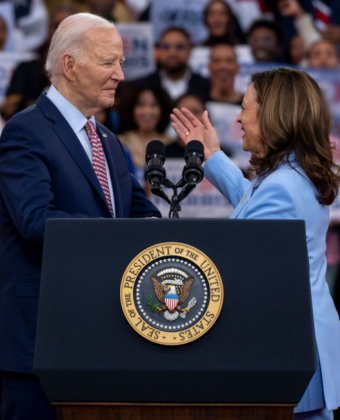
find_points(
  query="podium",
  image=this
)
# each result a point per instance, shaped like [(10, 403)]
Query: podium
[(255, 362)]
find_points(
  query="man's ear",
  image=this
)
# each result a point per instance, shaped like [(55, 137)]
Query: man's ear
[(68, 66)]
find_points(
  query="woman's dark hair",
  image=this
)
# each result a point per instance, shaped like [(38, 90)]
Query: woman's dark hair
[(130, 99), (294, 117), (233, 34)]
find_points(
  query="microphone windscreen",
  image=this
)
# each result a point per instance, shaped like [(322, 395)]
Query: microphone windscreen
[(154, 147), (194, 146)]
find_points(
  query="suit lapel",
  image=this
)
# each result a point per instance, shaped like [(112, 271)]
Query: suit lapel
[(113, 174), (71, 142)]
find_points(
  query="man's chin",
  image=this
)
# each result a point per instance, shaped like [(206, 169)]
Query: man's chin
[(176, 69)]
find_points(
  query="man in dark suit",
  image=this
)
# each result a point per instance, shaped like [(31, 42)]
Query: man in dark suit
[(57, 162), (174, 74)]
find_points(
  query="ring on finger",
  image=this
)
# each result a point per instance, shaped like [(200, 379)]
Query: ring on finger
[(187, 133)]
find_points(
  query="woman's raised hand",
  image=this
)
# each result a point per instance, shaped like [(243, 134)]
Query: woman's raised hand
[(188, 128)]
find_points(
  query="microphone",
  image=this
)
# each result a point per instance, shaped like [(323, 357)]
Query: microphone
[(194, 157), (155, 158), (192, 171)]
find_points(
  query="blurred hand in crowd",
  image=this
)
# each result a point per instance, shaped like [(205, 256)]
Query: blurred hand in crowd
[(332, 34), (290, 8)]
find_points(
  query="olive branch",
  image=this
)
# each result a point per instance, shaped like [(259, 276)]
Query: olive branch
[(152, 304)]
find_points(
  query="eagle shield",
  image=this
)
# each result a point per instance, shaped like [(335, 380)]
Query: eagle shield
[(171, 301)]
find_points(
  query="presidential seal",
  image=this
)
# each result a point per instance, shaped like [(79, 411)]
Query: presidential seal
[(171, 293)]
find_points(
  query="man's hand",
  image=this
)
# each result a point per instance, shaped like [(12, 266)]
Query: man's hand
[(290, 8)]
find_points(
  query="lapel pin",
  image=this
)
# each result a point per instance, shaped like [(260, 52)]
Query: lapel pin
[(104, 135)]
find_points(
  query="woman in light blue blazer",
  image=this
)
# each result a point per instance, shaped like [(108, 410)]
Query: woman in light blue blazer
[(286, 127)]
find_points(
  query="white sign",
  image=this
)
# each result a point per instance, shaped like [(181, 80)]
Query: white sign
[(7, 14), (204, 201), (187, 14), (138, 46)]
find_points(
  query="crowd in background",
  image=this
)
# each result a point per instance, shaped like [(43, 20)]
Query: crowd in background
[(304, 33)]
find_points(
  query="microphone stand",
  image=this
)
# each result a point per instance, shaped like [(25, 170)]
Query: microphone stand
[(176, 198)]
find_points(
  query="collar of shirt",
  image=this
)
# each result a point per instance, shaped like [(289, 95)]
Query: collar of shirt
[(175, 88), (72, 115)]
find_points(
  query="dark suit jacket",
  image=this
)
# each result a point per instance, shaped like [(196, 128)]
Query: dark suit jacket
[(198, 85), (45, 173)]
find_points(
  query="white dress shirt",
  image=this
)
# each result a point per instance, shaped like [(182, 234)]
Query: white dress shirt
[(77, 122), (175, 88)]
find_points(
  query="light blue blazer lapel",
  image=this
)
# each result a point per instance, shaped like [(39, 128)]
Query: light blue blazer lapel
[(242, 205)]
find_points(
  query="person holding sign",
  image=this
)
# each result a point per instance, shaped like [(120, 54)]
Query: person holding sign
[(286, 127)]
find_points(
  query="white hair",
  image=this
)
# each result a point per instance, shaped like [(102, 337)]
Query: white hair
[(69, 38)]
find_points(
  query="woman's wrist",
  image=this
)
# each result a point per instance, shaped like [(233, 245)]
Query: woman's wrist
[(211, 152)]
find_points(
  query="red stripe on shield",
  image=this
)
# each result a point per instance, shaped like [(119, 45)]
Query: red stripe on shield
[(171, 303)]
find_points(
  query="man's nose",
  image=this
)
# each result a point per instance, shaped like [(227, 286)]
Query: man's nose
[(118, 75)]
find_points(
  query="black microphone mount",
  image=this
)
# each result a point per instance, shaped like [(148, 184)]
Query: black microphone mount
[(192, 174)]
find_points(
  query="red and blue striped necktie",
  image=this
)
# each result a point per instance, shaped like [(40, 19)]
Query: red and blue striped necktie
[(98, 162)]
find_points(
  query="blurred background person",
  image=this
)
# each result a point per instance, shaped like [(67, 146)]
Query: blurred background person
[(31, 19), (30, 79), (222, 24), (144, 116), (3, 33), (223, 69), (297, 51), (323, 54), (265, 38), (303, 21), (173, 73), (320, 19), (112, 10)]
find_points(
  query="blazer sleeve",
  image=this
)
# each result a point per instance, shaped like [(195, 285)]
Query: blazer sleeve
[(226, 177), (140, 205), (25, 180), (272, 200)]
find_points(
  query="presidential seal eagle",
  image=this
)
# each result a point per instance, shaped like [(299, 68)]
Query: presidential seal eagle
[(172, 288)]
